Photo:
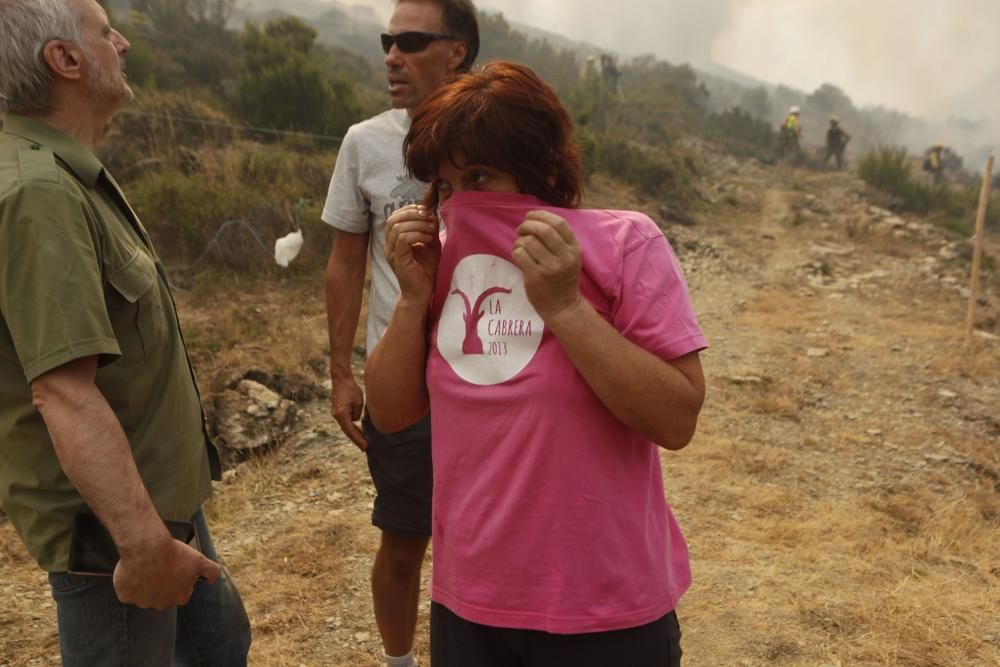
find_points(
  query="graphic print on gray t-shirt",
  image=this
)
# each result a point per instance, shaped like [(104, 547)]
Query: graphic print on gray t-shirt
[(369, 183), (407, 191)]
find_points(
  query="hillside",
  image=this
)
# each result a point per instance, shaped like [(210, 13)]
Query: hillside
[(840, 498)]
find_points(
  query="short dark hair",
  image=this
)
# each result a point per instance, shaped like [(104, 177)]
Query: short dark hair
[(504, 116), (461, 22)]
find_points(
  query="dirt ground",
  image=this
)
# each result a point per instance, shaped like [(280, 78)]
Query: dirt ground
[(841, 499)]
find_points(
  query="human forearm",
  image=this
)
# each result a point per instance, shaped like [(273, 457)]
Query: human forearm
[(659, 399), (344, 285), (155, 570), (95, 455), (395, 373)]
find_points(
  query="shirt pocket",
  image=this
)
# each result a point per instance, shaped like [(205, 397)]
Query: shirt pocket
[(135, 306)]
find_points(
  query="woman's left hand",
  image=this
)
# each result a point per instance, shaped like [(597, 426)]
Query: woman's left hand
[(547, 252)]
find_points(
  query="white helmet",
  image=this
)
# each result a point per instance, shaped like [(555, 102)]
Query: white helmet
[(794, 110)]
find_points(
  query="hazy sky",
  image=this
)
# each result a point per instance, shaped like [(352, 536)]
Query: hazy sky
[(907, 54)]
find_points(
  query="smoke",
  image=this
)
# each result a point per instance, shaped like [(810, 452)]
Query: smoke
[(935, 59), (676, 30), (909, 55), (913, 55)]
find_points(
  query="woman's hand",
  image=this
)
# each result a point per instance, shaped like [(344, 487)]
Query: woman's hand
[(413, 249), (548, 254)]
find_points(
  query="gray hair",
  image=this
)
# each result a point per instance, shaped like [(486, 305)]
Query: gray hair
[(27, 26)]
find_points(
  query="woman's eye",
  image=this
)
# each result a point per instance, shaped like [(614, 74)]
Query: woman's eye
[(479, 177)]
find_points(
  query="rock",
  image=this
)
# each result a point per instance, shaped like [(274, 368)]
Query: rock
[(746, 379), (294, 387), (257, 410), (945, 393), (362, 636), (249, 417), (956, 249), (817, 352), (259, 394)]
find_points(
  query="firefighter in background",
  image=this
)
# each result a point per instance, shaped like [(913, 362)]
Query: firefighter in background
[(836, 142), (611, 75), (589, 70), (933, 164), (791, 131)]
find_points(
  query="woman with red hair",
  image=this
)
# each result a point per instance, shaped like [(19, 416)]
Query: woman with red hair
[(559, 350)]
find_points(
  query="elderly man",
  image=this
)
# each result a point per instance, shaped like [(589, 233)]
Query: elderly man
[(99, 412), (427, 42)]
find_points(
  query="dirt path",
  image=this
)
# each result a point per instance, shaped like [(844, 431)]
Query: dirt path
[(840, 500)]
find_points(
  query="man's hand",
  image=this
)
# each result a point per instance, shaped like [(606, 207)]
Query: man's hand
[(346, 404), (162, 575)]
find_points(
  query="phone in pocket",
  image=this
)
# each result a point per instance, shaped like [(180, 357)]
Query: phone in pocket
[(92, 552)]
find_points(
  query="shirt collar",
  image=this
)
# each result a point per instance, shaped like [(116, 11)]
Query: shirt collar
[(81, 161)]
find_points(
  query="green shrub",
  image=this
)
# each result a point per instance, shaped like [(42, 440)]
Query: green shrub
[(647, 171), (743, 134), (162, 129), (255, 184), (889, 169), (952, 207)]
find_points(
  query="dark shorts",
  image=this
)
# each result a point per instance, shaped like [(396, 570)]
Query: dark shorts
[(456, 642), (400, 465)]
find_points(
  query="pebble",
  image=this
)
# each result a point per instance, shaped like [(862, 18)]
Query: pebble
[(745, 379)]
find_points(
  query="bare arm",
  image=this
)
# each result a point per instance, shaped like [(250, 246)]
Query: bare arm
[(155, 570), (660, 399), (394, 375), (345, 280)]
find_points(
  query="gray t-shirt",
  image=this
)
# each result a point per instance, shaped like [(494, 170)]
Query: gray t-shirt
[(368, 184)]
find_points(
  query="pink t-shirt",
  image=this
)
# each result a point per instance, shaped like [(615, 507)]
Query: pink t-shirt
[(549, 513)]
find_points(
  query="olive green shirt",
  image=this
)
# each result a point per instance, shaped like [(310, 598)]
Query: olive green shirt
[(79, 278)]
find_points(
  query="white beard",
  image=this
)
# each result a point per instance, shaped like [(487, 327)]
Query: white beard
[(106, 83)]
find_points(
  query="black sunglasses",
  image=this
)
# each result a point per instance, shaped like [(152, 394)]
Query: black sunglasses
[(411, 42)]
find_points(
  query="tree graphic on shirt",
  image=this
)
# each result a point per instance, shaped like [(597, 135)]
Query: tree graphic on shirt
[(473, 344)]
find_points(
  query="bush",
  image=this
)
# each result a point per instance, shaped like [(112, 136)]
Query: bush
[(654, 173), (281, 85), (257, 185), (889, 169), (162, 129), (743, 134)]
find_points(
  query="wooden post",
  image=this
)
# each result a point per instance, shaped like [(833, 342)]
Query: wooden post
[(977, 252)]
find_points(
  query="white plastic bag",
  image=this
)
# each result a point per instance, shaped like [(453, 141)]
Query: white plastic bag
[(287, 248)]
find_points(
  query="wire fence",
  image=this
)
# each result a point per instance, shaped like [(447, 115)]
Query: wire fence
[(239, 224), (248, 129)]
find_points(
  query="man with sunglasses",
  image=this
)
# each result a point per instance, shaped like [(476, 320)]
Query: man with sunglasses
[(425, 44)]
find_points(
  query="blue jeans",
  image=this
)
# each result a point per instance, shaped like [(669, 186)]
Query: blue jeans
[(96, 629)]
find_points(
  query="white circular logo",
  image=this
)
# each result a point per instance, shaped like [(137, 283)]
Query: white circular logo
[(488, 330)]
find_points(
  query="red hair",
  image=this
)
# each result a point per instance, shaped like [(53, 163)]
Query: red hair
[(502, 116)]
